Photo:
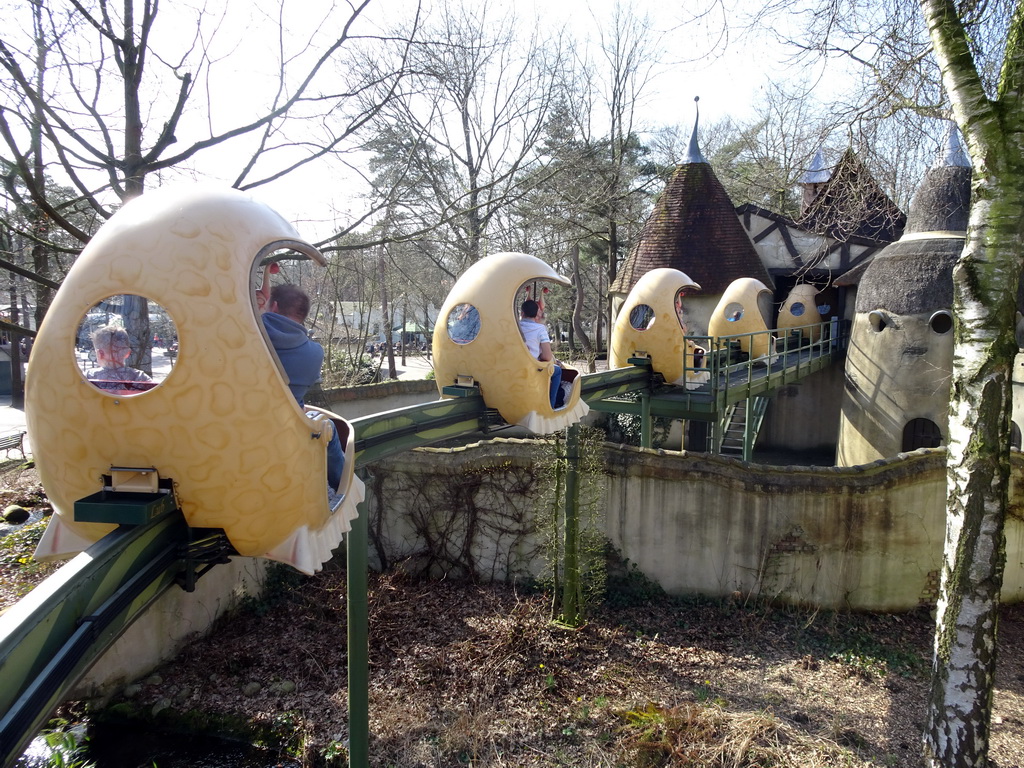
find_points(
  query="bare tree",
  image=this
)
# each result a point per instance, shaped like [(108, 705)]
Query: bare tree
[(985, 300), (628, 49), (101, 98), (464, 128)]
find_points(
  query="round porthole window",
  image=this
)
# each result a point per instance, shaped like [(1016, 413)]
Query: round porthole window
[(941, 322), (733, 312), (641, 317), (463, 323), (126, 345), (796, 308)]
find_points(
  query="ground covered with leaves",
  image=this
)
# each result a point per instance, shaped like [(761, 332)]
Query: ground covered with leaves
[(464, 674), (477, 675)]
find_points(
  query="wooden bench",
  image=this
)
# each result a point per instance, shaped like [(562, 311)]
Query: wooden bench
[(11, 442)]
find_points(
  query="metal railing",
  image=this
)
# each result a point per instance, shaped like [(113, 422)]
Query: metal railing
[(736, 375)]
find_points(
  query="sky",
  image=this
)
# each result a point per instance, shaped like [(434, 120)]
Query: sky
[(696, 62), (729, 74)]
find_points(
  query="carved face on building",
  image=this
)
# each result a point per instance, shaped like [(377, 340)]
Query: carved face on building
[(900, 358)]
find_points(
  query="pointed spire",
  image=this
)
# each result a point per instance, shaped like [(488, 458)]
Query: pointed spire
[(814, 180), (817, 173), (693, 154), (942, 201), (953, 154)]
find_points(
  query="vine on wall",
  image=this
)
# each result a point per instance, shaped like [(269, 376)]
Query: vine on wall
[(473, 520), (575, 572)]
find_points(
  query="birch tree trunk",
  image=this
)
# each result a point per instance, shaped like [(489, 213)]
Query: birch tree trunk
[(985, 290)]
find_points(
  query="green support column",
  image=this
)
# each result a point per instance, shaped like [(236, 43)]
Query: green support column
[(645, 419), (571, 566), (357, 544)]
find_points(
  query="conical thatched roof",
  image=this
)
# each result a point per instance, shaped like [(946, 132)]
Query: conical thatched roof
[(915, 274), (910, 277), (694, 228), (852, 204), (942, 202)]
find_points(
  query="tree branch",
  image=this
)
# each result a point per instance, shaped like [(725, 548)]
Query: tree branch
[(27, 273), (36, 187), (959, 73)]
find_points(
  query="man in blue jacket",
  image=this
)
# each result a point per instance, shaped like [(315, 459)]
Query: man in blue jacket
[(301, 357)]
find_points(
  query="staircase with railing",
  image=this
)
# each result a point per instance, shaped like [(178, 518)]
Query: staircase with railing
[(737, 431)]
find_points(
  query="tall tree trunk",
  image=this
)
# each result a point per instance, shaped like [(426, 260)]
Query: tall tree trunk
[(135, 313), (960, 701), (405, 314), (40, 221), (613, 244), (577, 312), (17, 380), (386, 315), (132, 63), (985, 289)]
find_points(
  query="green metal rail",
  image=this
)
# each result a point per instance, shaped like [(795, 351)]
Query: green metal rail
[(385, 434), (52, 636)]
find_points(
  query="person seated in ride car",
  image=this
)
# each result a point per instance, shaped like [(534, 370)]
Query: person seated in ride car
[(287, 307), (112, 350), (535, 334)]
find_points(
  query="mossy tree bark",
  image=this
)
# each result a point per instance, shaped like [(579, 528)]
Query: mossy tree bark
[(985, 293)]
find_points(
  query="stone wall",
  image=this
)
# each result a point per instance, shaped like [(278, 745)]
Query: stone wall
[(805, 416), (465, 512), (860, 538), (863, 538)]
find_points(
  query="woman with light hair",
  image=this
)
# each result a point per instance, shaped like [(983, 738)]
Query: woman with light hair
[(112, 350)]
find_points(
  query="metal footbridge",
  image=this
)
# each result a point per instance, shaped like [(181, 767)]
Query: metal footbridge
[(735, 396), (51, 637)]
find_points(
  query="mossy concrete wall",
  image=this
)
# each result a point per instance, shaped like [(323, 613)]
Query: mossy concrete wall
[(170, 624), (804, 416), (861, 538)]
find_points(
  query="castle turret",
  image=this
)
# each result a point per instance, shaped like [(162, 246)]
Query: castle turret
[(694, 229), (813, 181), (900, 358)]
